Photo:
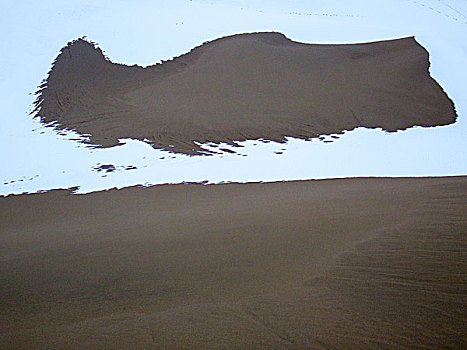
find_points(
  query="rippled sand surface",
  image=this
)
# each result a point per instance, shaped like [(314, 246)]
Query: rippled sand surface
[(355, 263)]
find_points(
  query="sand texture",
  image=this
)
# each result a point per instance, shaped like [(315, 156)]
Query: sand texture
[(246, 86), (329, 264)]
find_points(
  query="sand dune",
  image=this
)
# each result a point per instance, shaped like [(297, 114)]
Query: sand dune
[(355, 263), (248, 86), (372, 263)]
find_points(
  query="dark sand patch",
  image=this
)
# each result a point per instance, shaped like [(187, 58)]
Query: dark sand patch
[(105, 168), (356, 263), (24, 178), (246, 86), (110, 168), (227, 150)]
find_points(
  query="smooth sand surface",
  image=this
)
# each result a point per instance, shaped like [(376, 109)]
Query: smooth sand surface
[(245, 86), (354, 263)]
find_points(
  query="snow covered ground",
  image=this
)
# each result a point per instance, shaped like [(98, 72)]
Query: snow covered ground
[(34, 157)]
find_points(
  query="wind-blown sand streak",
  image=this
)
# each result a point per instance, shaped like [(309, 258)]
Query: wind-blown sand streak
[(355, 263), (246, 86)]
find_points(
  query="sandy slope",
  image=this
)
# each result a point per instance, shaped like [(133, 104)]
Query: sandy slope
[(311, 264), (248, 86)]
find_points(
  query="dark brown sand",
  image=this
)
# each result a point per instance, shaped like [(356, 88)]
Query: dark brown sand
[(247, 86), (332, 264)]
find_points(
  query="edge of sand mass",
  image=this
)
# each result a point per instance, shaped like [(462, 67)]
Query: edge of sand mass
[(242, 87)]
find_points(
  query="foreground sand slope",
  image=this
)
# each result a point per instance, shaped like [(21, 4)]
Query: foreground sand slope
[(311, 264), (247, 86)]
